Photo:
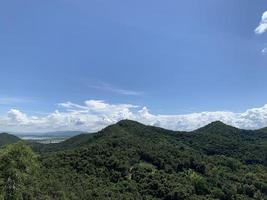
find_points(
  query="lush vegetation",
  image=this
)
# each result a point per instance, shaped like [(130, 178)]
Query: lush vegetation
[(129, 160), (6, 138), (18, 169)]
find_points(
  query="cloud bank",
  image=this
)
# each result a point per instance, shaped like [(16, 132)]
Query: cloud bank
[(262, 28), (94, 115)]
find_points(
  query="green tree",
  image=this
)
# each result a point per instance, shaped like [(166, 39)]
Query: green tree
[(18, 165)]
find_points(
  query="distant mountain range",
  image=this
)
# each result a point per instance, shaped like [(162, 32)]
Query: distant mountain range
[(55, 133)]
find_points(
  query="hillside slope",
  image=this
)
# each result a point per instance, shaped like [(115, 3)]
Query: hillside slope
[(216, 138), (220, 139), (6, 138), (129, 160)]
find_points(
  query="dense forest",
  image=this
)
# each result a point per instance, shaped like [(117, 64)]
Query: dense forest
[(129, 160)]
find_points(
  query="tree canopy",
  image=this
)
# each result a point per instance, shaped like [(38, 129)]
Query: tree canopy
[(129, 160)]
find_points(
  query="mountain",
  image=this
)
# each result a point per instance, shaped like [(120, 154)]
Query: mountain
[(217, 127), (6, 138), (262, 133), (218, 138), (52, 134), (82, 140), (263, 129), (215, 138), (129, 160), (63, 133)]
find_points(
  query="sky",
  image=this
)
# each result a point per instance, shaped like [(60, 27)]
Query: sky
[(82, 65)]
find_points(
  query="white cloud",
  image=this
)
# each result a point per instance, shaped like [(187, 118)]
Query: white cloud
[(15, 116), (96, 114), (262, 28), (264, 51), (13, 100), (107, 87)]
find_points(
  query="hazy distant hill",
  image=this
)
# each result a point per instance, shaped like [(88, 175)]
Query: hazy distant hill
[(54, 134), (6, 138)]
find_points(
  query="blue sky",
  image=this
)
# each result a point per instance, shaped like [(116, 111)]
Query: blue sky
[(173, 57)]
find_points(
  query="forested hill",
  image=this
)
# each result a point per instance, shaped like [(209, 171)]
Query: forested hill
[(129, 160), (6, 138), (215, 138)]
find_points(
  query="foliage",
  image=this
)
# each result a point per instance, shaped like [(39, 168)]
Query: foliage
[(6, 138), (129, 160), (18, 165)]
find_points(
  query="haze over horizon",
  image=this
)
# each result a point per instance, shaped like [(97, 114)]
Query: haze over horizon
[(83, 65)]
